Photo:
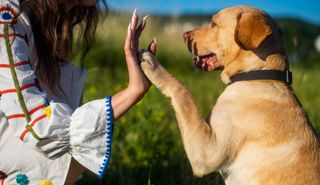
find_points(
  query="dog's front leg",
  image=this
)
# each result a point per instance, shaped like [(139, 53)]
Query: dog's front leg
[(204, 151)]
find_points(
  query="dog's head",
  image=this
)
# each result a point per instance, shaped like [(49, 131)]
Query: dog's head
[(238, 39)]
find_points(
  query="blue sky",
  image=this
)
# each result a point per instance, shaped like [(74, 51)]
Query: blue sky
[(305, 9)]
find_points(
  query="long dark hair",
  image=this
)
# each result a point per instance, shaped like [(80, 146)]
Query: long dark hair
[(53, 33)]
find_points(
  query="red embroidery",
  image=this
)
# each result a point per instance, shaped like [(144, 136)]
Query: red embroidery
[(13, 116), (24, 37), (14, 90), (32, 124), (17, 64)]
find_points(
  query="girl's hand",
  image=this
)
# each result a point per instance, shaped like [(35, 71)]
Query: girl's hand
[(138, 83)]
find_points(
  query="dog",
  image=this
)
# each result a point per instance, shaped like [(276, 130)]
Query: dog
[(257, 132)]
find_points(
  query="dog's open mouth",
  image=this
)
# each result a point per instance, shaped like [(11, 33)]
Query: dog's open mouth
[(207, 62)]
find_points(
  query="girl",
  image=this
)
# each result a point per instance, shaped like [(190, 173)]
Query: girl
[(44, 134)]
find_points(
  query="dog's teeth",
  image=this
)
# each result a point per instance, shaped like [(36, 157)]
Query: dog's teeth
[(196, 59)]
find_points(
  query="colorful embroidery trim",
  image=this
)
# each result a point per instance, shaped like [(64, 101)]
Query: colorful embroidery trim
[(22, 179), (17, 64), (7, 15), (47, 112), (13, 116), (46, 182), (25, 37), (29, 127), (21, 89), (109, 132)]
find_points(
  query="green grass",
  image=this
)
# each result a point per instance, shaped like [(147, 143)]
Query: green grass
[(147, 147)]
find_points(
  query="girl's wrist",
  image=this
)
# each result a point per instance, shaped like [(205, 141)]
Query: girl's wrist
[(124, 100)]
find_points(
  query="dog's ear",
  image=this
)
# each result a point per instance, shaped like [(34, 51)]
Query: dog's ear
[(252, 29)]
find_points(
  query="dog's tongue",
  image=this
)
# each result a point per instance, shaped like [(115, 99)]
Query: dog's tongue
[(206, 63)]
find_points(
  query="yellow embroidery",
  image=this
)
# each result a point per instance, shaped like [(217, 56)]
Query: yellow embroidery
[(46, 183), (47, 111)]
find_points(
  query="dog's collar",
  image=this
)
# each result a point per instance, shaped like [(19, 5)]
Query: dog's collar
[(283, 76)]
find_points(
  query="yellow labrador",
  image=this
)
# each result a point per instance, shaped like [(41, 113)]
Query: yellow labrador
[(257, 133)]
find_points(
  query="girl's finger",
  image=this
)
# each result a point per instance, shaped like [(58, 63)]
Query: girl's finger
[(134, 21), (128, 40), (139, 30), (141, 26)]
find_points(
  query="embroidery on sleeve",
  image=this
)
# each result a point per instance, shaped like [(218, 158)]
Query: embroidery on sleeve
[(109, 133), (7, 15), (45, 182), (22, 179)]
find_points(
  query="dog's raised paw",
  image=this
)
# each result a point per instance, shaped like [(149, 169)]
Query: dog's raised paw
[(148, 62)]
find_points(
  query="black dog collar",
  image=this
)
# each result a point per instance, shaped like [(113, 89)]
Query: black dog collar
[(284, 76)]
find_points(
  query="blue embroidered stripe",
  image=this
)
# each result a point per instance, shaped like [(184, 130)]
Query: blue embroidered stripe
[(109, 132)]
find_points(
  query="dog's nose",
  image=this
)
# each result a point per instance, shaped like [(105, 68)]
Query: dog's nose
[(186, 36)]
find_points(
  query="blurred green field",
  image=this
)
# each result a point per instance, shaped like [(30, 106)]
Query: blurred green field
[(147, 147)]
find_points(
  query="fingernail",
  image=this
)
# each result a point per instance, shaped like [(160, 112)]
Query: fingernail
[(145, 18), (154, 40), (134, 14), (129, 28)]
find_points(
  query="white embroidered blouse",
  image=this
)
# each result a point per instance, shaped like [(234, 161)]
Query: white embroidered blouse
[(40, 132)]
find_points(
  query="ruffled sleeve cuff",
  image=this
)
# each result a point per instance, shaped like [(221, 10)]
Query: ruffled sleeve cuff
[(85, 133), (91, 130)]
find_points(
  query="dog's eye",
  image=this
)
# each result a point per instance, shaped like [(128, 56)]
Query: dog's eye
[(7, 15)]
